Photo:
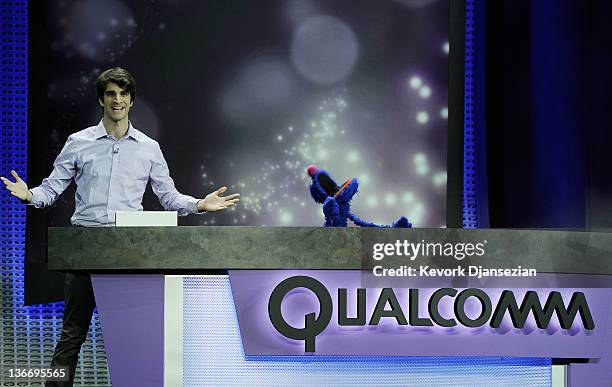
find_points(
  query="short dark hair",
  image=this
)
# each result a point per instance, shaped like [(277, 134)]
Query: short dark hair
[(117, 75)]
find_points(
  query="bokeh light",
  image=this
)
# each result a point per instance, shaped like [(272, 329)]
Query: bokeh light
[(98, 30), (422, 117), (324, 49)]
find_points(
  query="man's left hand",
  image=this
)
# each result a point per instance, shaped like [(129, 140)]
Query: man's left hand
[(215, 202)]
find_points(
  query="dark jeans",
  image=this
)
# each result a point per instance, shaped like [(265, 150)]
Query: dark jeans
[(79, 303)]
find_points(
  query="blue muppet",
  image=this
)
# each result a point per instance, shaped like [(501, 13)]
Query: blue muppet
[(336, 200)]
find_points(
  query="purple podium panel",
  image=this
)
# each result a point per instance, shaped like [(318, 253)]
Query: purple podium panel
[(407, 326), (597, 372), (131, 309)]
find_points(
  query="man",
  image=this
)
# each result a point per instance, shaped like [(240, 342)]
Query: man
[(111, 164)]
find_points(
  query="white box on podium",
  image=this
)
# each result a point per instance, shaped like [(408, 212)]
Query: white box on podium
[(146, 218)]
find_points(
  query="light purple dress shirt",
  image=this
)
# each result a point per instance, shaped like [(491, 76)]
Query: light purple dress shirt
[(111, 175)]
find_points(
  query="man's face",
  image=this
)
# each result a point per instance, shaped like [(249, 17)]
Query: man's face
[(116, 102)]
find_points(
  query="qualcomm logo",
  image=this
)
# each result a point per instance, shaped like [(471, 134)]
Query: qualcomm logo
[(493, 315)]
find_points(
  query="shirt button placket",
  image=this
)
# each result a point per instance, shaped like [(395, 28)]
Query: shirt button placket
[(113, 177)]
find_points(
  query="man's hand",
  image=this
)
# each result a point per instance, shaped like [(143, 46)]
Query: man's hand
[(19, 188), (215, 202)]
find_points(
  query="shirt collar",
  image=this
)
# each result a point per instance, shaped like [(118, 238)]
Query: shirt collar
[(131, 133)]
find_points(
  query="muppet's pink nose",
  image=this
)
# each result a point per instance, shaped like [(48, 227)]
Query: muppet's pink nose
[(312, 170)]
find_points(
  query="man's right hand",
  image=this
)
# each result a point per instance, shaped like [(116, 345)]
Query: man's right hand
[(19, 188)]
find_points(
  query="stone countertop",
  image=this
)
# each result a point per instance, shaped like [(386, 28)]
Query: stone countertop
[(185, 248)]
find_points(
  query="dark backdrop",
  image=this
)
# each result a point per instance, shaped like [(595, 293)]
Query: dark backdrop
[(548, 113)]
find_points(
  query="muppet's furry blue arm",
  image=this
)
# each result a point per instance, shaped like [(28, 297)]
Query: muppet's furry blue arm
[(402, 222)]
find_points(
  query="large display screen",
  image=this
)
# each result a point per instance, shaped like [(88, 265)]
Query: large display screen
[(249, 93)]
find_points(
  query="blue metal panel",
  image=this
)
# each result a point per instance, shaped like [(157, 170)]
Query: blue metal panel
[(475, 198)]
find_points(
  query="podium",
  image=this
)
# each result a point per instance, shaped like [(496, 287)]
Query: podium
[(158, 302)]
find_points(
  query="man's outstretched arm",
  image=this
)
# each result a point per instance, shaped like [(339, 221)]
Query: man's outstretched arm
[(171, 199), (49, 190)]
